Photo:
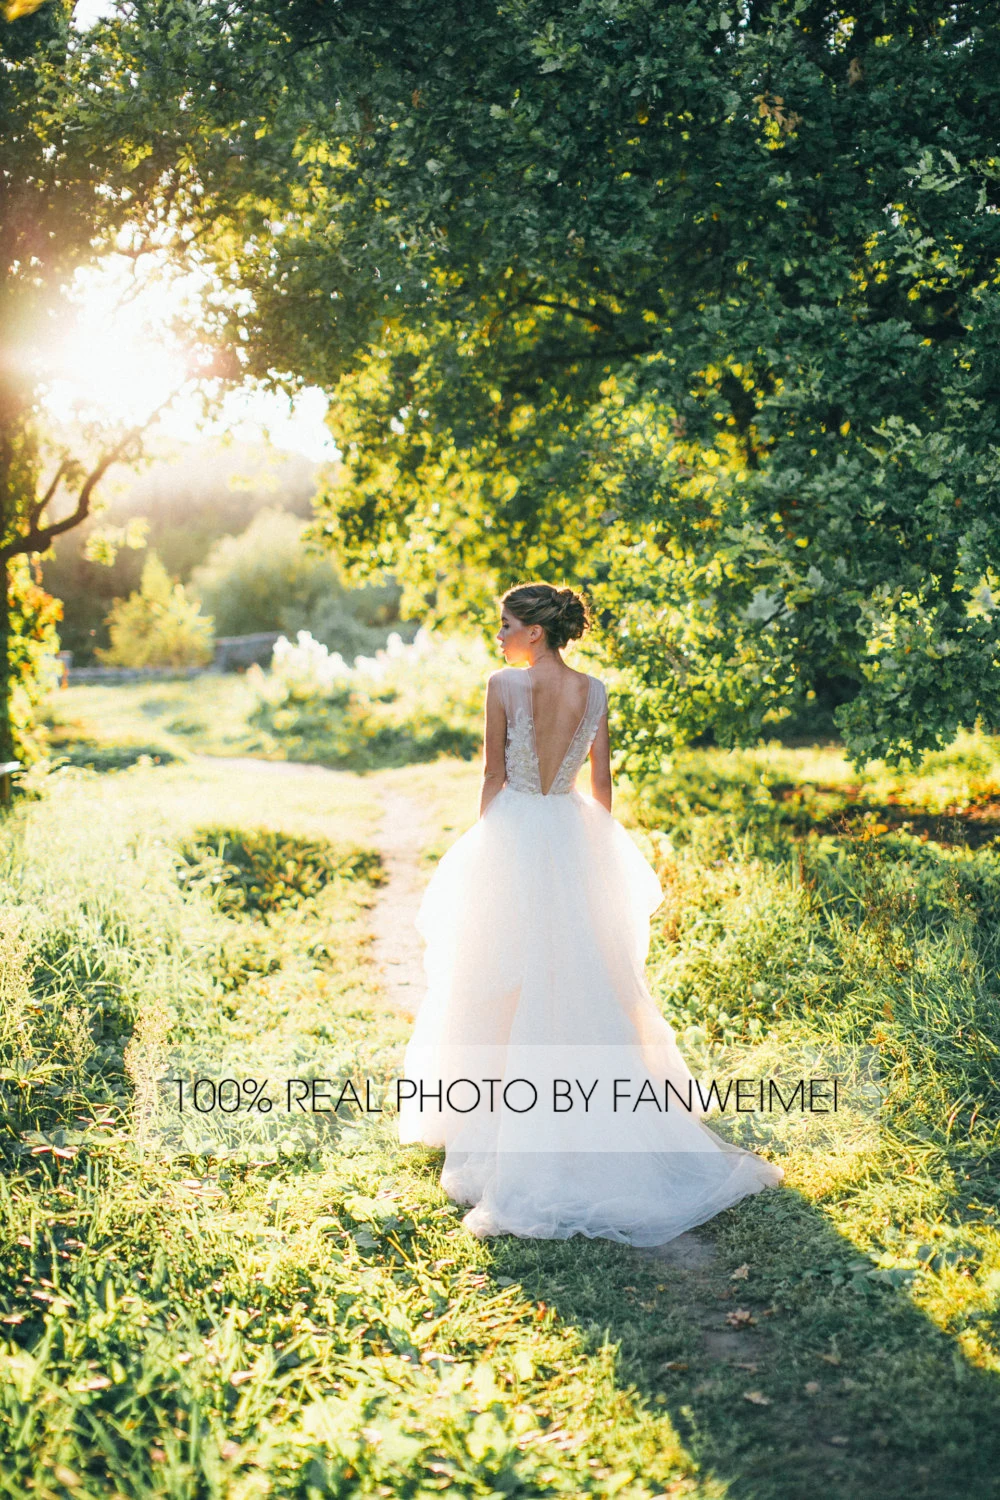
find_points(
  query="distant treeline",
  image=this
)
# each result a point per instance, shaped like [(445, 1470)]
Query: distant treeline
[(188, 501), (225, 522)]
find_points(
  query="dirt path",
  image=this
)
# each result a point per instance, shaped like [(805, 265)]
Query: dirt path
[(690, 1260), (398, 949)]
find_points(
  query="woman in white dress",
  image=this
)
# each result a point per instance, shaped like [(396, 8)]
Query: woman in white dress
[(538, 1059)]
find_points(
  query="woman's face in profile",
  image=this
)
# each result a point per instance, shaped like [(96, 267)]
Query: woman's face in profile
[(513, 639)]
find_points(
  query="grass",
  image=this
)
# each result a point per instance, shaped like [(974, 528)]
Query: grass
[(205, 715), (288, 1306), (292, 1316), (373, 726)]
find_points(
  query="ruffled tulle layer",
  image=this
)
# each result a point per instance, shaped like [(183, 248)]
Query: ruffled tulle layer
[(536, 926)]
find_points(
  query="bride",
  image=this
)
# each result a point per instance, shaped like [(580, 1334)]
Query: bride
[(538, 1059)]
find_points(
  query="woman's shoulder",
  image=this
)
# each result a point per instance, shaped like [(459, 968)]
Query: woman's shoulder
[(600, 688), (505, 684)]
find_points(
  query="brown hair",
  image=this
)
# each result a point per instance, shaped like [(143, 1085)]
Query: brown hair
[(562, 614)]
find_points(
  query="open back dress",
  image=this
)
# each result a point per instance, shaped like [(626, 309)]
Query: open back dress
[(538, 1059)]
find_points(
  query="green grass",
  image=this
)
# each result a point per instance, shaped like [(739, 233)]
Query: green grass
[(292, 1308), (189, 1323), (206, 715)]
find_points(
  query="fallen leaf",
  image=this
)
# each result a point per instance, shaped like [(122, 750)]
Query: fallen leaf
[(840, 1441), (750, 1369), (757, 1398), (240, 1377), (831, 1359), (740, 1317), (741, 1273), (811, 1387)]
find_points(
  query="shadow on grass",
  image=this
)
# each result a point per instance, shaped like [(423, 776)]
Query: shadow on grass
[(801, 1376), (94, 756)]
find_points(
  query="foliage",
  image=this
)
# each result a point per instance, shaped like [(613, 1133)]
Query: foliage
[(405, 704), (261, 870), (94, 756), (955, 799), (694, 307), (158, 626), (184, 501), (34, 641), (264, 579), (73, 187)]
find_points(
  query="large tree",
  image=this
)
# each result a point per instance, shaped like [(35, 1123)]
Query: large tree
[(87, 155), (693, 303)]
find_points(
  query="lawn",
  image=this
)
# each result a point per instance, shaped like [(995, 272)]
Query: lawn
[(289, 1306)]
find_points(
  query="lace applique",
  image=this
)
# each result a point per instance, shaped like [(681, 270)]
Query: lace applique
[(522, 767)]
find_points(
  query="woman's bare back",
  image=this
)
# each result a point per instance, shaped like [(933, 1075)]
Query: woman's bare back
[(558, 704)]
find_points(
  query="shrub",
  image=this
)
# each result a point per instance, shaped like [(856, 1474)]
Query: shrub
[(265, 579), (158, 626), (405, 704), (260, 870), (32, 647)]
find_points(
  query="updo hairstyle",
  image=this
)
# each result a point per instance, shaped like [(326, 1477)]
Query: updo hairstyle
[(562, 614)]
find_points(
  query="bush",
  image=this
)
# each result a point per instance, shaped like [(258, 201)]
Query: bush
[(403, 705), (32, 647), (259, 870), (159, 626), (265, 579), (189, 496)]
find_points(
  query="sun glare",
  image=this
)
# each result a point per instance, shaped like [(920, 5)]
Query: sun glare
[(119, 360), (123, 378), (123, 357)]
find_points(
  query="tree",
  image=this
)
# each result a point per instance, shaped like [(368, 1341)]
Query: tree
[(71, 180), (695, 306), (180, 505), (158, 625)]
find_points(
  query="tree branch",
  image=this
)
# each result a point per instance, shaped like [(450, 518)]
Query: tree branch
[(39, 538), (589, 315), (35, 513)]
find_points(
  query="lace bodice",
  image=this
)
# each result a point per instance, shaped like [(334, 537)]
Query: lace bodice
[(520, 754)]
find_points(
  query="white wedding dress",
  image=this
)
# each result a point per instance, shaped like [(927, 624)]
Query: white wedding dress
[(536, 925)]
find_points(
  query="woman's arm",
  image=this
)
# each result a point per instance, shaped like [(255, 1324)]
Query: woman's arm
[(494, 744), (600, 765)]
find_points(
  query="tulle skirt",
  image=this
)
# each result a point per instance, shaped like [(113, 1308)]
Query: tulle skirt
[(538, 1059)]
